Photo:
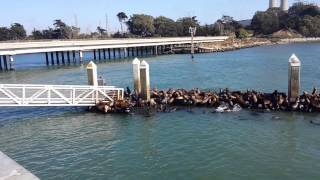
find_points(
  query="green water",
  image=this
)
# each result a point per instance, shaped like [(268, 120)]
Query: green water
[(70, 143)]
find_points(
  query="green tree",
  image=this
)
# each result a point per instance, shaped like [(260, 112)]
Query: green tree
[(17, 31), (122, 17), (165, 27), (4, 34), (62, 30), (183, 25), (266, 22), (310, 26), (141, 25), (242, 33)]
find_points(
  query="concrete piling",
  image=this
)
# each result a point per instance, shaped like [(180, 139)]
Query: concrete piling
[(94, 55), (11, 63), (294, 78), (81, 57), (109, 54), (68, 57), (145, 81), (57, 56), (104, 54), (62, 56), (5, 62), (47, 59), (99, 54), (0, 63), (74, 57), (92, 74), (136, 75), (52, 59)]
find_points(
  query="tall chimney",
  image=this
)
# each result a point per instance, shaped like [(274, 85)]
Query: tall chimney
[(272, 3), (284, 5)]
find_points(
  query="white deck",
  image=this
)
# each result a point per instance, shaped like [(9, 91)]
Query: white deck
[(19, 95)]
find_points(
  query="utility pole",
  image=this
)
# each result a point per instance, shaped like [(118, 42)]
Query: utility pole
[(192, 31)]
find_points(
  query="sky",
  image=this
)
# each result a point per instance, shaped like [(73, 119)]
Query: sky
[(40, 14)]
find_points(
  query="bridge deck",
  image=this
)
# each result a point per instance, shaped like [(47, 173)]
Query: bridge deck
[(57, 95), (88, 45)]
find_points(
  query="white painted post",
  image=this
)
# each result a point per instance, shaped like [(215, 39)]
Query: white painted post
[(145, 80), (81, 57), (294, 78), (92, 74), (136, 75), (11, 62), (156, 50)]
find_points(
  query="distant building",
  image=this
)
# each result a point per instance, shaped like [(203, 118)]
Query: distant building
[(272, 3), (284, 4)]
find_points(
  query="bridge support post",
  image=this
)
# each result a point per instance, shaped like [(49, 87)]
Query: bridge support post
[(136, 76), (114, 53), (5, 62), (126, 54), (156, 50), (68, 57), (94, 55), (294, 78), (145, 81), (81, 57), (109, 54), (74, 60), (52, 58), (0, 63), (99, 55), (57, 56), (47, 59), (62, 56), (104, 54), (12, 67), (92, 74), (119, 53)]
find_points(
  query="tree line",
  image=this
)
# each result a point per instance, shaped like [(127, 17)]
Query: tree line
[(302, 18)]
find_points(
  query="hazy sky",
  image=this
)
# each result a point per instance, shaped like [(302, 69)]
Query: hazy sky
[(91, 13)]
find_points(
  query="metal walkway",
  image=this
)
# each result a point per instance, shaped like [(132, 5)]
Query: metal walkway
[(20, 95)]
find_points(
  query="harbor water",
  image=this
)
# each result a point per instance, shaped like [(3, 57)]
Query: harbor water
[(72, 143)]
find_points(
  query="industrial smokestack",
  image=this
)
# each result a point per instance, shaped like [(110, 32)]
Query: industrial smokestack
[(272, 3), (284, 5)]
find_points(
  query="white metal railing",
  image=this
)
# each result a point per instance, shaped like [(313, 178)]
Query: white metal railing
[(57, 95)]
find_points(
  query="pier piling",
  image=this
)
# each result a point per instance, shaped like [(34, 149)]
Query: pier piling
[(11, 63), (94, 55), (104, 54), (57, 56), (294, 78), (81, 57), (0, 63), (47, 59), (5, 62), (62, 56), (52, 59), (74, 56), (145, 81), (68, 57), (136, 75), (92, 74)]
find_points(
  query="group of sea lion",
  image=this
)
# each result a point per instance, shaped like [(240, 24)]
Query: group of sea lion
[(223, 101)]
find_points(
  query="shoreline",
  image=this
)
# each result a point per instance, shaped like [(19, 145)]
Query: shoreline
[(237, 44)]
